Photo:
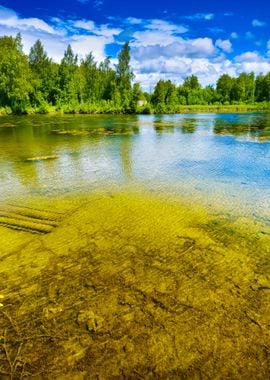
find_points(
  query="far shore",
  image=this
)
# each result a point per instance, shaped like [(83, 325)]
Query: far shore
[(211, 108)]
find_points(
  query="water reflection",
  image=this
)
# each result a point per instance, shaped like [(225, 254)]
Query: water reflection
[(183, 125), (189, 125), (184, 152), (126, 156), (256, 128)]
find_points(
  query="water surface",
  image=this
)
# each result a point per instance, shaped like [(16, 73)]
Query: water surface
[(135, 247), (210, 155)]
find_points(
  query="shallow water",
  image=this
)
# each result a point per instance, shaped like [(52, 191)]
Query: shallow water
[(202, 154), (135, 247)]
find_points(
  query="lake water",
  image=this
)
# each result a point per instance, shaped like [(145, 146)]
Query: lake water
[(210, 155), (135, 246)]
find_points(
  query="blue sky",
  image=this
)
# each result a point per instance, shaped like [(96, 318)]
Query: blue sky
[(168, 39)]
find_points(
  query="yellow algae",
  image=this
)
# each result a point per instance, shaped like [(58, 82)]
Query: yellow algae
[(135, 286)]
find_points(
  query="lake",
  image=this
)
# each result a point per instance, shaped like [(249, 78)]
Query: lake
[(135, 246), (206, 155)]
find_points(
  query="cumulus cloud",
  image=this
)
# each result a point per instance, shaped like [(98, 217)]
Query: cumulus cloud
[(159, 48), (249, 56), (177, 69), (258, 23), (252, 61), (102, 30), (8, 18), (158, 32), (83, 44), (83, 35), (198, 47), (224, 45)]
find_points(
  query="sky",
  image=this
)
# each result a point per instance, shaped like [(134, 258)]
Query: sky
[(168, 39)]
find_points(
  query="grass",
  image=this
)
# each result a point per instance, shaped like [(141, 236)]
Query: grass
[(107, 107)]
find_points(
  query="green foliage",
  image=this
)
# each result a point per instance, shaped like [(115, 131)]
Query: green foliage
[(15, 75), (37, 84), (124, 76)]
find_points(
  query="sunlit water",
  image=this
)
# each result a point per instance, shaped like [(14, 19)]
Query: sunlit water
[(216, 157), (135, 247)]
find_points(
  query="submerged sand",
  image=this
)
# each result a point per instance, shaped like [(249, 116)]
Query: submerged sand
[(131, 286)]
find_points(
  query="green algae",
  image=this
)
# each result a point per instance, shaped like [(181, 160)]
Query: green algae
[(41, 158), (115, 131), (135, 286)]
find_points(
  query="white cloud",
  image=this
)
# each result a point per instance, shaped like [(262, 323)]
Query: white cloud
[(133, 21), (158, 32), (224, 45), (165, 26), (96, 3), (234, 35), (201, 16), (87, 25), (159, 48), (249, 56), (8, 18), (84, 44), (177, 69), (256, 67), (102, 30), (252, 61), (258, 23), (198, 47), (83, 35)]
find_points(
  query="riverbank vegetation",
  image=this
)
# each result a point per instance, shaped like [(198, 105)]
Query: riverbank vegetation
[(34, 83)]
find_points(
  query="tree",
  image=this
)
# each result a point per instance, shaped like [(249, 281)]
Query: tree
[(165, 97), (89, 79), (38, 58), (192, 83), (45, 76), (137, 96), (69, 77), (243, 88), (224, 87), (15, 76), (124, 76), (107, 79), (262, 88)]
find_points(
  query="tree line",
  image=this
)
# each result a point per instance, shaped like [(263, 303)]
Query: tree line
[(35, 83)]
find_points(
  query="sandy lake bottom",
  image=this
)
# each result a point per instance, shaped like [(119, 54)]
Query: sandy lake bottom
[(132, 286)]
